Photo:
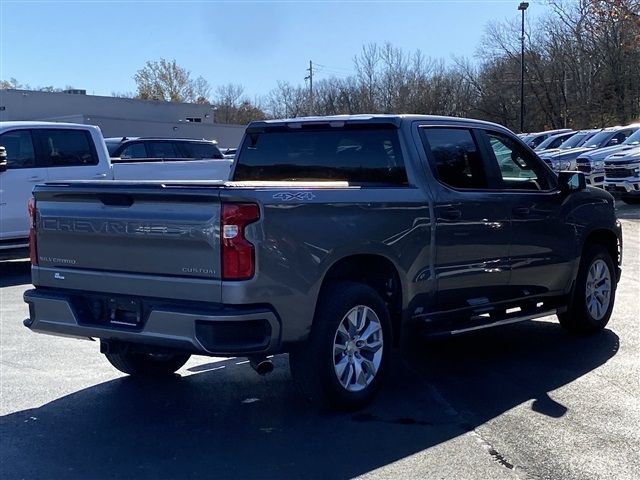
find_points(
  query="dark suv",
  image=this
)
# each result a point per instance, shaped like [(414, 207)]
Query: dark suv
[(132, 148)]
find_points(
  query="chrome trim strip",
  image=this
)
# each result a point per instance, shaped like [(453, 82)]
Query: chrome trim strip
[(505, 322)]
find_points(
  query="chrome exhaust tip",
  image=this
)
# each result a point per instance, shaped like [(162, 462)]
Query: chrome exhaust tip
[(261, 365)]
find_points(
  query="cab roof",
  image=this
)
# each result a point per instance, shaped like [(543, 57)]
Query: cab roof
[(378, 118)]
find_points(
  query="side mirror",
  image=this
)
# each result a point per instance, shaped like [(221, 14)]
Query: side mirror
[(612, 142), (569, 181), (3, 159)]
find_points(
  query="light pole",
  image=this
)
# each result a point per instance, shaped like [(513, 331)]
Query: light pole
[(522, 7)]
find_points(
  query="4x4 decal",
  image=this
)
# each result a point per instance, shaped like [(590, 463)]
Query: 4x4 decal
[(289, 196)]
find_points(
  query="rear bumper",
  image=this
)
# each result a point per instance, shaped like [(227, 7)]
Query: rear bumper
[(14, 253), (14, 248), (216, 330)]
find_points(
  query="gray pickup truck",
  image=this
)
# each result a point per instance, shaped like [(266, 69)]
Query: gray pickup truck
[(337, 239)]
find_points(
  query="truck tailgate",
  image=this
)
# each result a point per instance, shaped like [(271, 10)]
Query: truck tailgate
[(94, 232)]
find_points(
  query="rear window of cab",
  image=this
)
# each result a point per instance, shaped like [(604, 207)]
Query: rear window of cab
[(355, 155)]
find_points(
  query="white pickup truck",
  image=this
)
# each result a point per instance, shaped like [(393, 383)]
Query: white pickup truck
[(37, 152), (622, 175)]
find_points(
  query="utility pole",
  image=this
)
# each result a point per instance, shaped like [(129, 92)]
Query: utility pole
[(522, 7), (566, 102), (310, 78)]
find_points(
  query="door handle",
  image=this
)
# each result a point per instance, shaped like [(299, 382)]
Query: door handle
[(36, 178), (100, 175), (451, 214), (521, 211)]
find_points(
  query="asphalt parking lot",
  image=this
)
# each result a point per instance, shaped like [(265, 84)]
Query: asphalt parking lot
[(524, 401)]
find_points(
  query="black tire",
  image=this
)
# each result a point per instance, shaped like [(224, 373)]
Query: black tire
[(577, 318), (631, 199), (142, 364), (312, 363)]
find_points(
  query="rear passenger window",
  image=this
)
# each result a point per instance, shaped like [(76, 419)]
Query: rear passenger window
[(161, 150), (199, 150), (68, 148), (134, 150), (19, 147), (455, 157)]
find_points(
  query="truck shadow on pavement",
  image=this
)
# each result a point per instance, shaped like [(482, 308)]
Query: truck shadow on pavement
[(222, 420), (15, 273)]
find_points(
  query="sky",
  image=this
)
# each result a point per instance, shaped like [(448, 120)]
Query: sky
[(99, 45)]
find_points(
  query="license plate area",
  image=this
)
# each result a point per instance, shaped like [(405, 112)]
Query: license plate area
[(115, 311), (124, 311)]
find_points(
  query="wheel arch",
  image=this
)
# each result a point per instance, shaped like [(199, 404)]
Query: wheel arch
[(376, 271), (608, 239)]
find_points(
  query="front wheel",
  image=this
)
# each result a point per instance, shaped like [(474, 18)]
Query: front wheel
[(594, 295), (143, 364), (343, 362)]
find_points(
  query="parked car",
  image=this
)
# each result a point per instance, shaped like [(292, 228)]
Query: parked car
[(535, 139), (622, 175), (41, 151), (554, 141), (337, 238), (143, 148), (574, 141), (229, 153), (607, 137), (591, 163)]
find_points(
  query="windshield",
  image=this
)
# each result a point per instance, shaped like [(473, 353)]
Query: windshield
[(598, 140), (536, 140), (556, 139), (576, 140), (544, 144), (633, 139)]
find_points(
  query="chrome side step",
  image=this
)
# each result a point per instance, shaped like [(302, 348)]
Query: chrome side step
[(506, 321)]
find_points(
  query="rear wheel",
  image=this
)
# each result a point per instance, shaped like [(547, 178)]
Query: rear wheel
[(143, 364), (592, 304), (345, 358)]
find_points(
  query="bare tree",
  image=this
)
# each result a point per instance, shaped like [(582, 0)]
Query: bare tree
[(287, 100), (166, 80), (233, 107), (11, 84), (227, 99)]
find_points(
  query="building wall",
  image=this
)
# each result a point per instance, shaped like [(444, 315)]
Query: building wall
[(225, 135), (119, 116)]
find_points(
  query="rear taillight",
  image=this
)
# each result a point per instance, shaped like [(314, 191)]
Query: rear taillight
[(33, 251), (237, 254)]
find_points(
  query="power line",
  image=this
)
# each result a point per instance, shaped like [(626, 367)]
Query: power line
[(337, 71), (329, 67), (330, 73)]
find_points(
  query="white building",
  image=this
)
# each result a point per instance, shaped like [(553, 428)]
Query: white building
[(120, 117)]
